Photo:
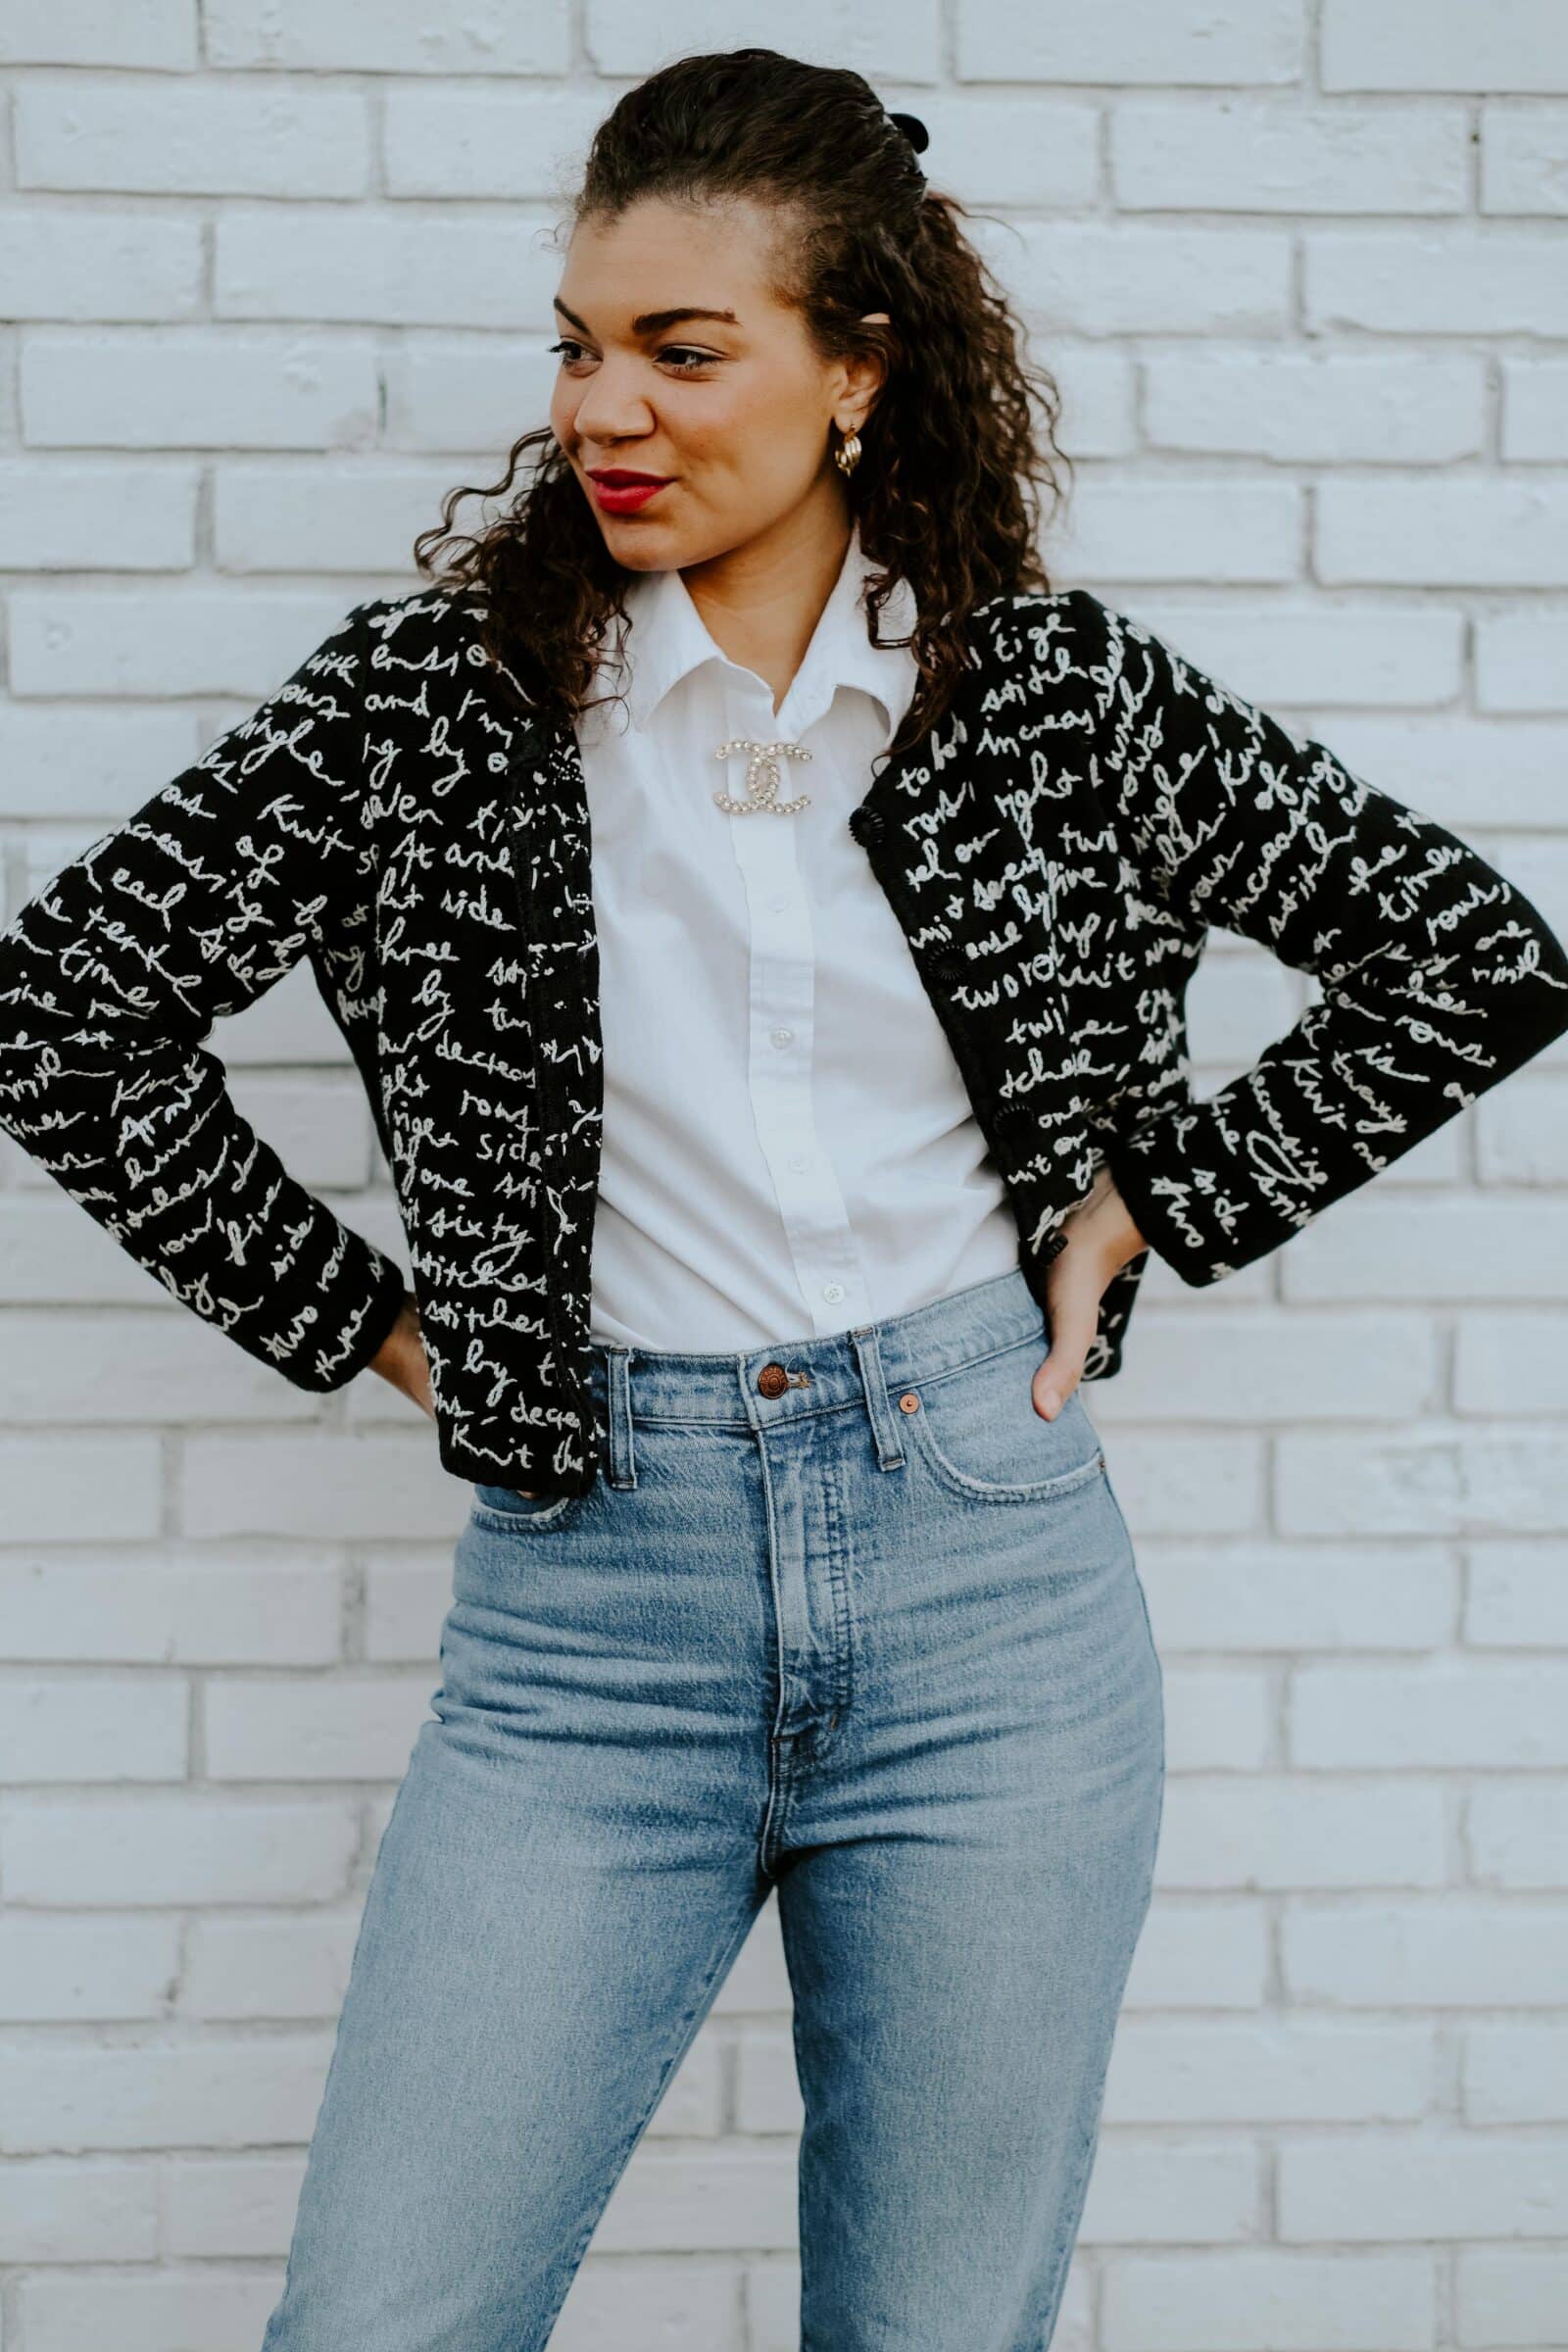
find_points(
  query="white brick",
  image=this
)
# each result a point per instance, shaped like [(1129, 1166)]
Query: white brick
[(204, 138), (1191, 1484), (1122, 41), (1474, 1713), (100, 764), (1158, 527), (1137, 2197), (195, 388), (1492, 531), (338, 1727), (1092, 278), (1516, 2074), (1510, 2297), (280, 517), (1315, 408), (1511, 1362), (48, 1500), (1522, 1131), (460, 392), (75, 264), (173, 1609), (230, 2205), (1426, 1484), (97, 33), (1286, 652), (890, 37), (1524, 158), (59, 517), (85, 1969), (1535, 408), (1218, 1719), (1243, 154), (1403, 45), (1206, 1952), (1518, 1597), (1098, 397), (1285, 1368), (406, 1598), (690, 2306), (1424, 2184), (740, 2197), (1466, 772), (60, 1364), (303, 261), (442, 36), (1291, 2302), (758, 1982), (1269, 2069), (1465, 280), (175, 1850), (1518, 1834), (1522, 659), (474, 141), (1266, 1596), (358, 1487), (204, 2094), (206, 2310), (692, 2106), (98, 2212), (1458, 1249), (184, 640), (1037, 150), (1452, 1952), (322, 1127), (1275, 1831), (256, 1966), (92, 1727), (767, 2094)]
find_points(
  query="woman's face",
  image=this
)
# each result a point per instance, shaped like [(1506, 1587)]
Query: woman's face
[(734, 410)]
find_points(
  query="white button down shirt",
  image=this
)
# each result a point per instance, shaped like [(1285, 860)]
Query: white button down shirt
[(787, 1146)]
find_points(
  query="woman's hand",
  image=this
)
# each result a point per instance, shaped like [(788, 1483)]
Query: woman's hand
[(401, 1359), (1101, 1238)]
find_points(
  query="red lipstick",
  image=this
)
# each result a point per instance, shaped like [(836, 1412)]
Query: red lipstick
[(621, 490)]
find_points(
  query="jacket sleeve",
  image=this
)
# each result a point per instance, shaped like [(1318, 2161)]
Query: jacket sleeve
[(114, 975), (1437, 977)]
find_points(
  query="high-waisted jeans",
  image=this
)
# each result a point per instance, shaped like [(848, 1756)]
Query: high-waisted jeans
[(842, 1618)]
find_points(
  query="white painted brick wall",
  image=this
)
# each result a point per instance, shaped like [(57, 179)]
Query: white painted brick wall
[(271, 279)]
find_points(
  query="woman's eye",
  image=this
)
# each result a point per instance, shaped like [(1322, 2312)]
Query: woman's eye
[(684, 357)]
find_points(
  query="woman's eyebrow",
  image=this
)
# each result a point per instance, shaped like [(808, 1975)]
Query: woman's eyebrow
[(653, 322)]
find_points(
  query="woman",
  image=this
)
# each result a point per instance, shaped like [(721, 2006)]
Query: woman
[(792, 1562)]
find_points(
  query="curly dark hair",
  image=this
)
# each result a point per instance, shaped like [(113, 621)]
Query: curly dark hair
[(947, 491)]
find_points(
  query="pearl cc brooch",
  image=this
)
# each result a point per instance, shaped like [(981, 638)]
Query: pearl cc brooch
[(762, 777)]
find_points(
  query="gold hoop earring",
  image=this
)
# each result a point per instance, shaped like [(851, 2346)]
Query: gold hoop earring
[(847, 456)]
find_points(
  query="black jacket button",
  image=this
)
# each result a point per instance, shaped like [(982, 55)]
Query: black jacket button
[(865, 825), (948, 967)]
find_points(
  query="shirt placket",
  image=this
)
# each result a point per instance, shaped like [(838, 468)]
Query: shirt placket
[(781, 1033)]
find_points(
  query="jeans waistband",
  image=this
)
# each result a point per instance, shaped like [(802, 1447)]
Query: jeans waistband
[(755, 1388)]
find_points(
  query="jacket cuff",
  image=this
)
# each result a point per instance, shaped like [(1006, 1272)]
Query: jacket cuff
[(1161, 1204), (379, 1316)]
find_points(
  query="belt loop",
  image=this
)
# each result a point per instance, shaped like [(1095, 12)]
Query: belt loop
[(617, 1399), (884, 1422)]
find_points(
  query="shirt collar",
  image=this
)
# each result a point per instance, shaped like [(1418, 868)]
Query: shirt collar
[(669, 639)]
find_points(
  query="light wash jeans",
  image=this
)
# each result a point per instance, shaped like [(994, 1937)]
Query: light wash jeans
[(877, 1641)]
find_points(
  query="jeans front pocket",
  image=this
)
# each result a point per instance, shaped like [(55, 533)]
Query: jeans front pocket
[(509, 1508), (977, 1431)]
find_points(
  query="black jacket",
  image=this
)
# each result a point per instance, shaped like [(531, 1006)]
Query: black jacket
[(1055, 851)]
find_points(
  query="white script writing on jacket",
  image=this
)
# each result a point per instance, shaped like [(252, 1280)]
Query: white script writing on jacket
[(1053, 849)]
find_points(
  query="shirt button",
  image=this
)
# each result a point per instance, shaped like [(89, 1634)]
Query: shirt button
[(799, 1162), (778, 904), (783, 1038), (832, 1292)]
